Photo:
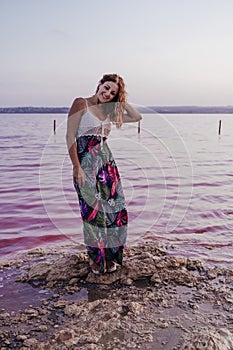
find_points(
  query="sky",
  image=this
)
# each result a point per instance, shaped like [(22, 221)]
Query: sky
[(169, 52)]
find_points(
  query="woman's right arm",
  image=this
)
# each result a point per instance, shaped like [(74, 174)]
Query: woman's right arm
[(76, 111)]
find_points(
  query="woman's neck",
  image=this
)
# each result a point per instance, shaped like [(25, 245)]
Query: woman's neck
[(93, 100)]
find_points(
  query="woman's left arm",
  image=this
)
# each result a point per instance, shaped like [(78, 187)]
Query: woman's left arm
[(131, 115)]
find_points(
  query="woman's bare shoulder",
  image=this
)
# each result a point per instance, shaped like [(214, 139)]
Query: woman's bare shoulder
[(78, 105)]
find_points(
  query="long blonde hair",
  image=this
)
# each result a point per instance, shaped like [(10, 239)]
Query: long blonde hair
[(115, 108)]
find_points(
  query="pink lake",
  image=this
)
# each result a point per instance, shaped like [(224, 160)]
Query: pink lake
[(177, 178)]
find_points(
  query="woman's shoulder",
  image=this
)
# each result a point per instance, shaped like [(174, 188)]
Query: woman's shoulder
[(78, 105), (80, 102)]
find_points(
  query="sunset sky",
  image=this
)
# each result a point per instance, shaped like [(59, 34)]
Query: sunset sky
[(170, 52)]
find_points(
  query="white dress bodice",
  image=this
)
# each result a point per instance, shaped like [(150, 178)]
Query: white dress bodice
[(92, 125)]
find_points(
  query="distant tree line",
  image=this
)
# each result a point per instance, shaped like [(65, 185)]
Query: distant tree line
[(142, 109)]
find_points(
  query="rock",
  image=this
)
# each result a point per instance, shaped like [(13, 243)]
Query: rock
[(105, 278), (37, 252), (208, 339), (73, 281), (127, 281), (155, 279), (83, 272), (135, 308), (43, 328), (64, 334), (212, 273), (32, 343), (55, 295), (61, 269), (31, 312), (193, 265), (140, 264), (39, 271), (148, 299), (73, 309), (21, 337), (60, 303), (4, 314), (95, 304), (175, 263)]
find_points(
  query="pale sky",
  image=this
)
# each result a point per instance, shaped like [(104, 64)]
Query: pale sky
[(170, 52)]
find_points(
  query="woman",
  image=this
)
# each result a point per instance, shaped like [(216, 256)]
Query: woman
[(95, 174)]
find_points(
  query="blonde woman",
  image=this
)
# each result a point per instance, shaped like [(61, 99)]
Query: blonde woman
[(95, 174)]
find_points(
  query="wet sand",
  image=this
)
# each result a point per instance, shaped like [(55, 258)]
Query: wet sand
[(49, 299)]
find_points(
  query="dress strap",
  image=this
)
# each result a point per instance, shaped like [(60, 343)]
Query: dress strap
[(86, 104)]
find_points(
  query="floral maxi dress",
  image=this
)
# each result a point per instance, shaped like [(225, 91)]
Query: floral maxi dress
[(101, 199)]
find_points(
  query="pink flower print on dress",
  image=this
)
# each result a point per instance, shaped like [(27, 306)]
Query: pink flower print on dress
[(93, 147), (93, 213), (122, 218), (114, 176)]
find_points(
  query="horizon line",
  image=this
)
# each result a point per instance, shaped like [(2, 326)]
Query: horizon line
[(138, 105)]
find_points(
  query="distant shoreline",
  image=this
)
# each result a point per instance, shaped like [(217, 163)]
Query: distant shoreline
[(146, 110)]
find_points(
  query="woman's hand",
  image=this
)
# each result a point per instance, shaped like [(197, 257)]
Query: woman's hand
[(78, 175)]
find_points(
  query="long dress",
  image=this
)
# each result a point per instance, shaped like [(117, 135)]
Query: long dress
[(101, 198)]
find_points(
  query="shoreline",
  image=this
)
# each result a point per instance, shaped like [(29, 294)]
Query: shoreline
[(51, 300), (142, 109)]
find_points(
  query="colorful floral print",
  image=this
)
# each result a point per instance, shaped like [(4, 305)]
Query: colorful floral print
[(102, 202)]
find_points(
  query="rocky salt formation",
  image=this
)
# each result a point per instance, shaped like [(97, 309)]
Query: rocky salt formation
[(154, 301)]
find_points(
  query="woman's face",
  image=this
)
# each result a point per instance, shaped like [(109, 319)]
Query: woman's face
[(107, 91)]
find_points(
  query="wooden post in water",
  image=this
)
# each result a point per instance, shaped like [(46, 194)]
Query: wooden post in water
[(139, 126), (54, 126), (219, 127)]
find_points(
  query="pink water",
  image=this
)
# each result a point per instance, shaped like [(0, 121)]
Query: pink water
[(177, 178)]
